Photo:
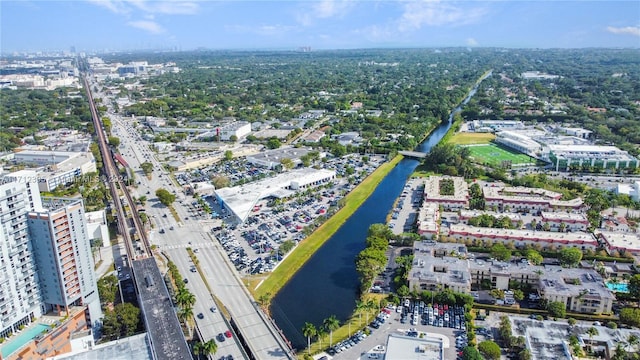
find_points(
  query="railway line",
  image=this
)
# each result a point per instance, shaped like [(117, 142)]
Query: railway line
[(161, 323)]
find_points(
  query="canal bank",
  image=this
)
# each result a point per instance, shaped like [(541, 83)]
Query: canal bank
[(327, 284)]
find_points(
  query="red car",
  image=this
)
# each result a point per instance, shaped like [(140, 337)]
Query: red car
[(228, 333)]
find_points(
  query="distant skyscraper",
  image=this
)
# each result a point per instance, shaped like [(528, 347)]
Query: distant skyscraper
[(20, 300), (72, 49)]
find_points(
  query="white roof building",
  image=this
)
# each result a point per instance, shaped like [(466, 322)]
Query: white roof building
[(240, 200)]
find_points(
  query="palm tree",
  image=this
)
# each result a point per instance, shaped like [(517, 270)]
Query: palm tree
[(321, 332), (331, 323), (198, 349), (209, 348), (309, 330), (592, 332), (184, 298), (360, 305), (186, 315), (371, 305)]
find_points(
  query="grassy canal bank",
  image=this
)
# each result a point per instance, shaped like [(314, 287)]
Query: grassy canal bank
[(303, 252)]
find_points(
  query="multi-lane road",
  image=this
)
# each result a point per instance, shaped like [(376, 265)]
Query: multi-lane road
[(215, 277)]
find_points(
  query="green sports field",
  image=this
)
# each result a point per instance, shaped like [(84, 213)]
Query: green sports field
[(494, 154)]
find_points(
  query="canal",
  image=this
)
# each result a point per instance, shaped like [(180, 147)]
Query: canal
[(328, 282)]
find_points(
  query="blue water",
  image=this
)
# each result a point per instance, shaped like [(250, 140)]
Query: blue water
[(619, 287), (328, 283), (17, 341)]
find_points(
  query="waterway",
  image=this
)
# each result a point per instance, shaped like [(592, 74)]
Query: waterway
[(328, 283)]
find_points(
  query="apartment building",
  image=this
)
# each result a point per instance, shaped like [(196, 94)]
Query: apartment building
[(465, 215), (580, 290), (456, 201), (437, 266), (446, 266), (524, 199), (565, 221), (428, 221), (20, 300), (627, 242), (521, 238)]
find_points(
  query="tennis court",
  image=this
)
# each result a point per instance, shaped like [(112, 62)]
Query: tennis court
[(494, 154)]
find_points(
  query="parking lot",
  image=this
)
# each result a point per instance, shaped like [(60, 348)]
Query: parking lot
[(389, 321), (275, 226)]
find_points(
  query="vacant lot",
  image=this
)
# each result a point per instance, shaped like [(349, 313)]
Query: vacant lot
[(465, 138), (494, 155)]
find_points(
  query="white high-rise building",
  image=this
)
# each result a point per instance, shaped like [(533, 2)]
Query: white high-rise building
[(20, 300), (45, 256)]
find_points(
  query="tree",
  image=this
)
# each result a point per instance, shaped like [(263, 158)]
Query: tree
[(184, 298), (142, 199), (108, 288), (114, 141), (287, 163), (534, 257), (630, 316), (273, 143), (122, 321), (570, 256), (489, 350), (634, 287), (571, 321), (331, 323), (220, 182), (557, 309), (471, 353), (309, 330), (165, 197), (592, 331), (500, 252), (205, 348), (525, 354), (518, 295), (147, 168), (228, 155)]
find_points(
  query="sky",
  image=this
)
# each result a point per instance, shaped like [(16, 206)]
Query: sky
[(124, 25)]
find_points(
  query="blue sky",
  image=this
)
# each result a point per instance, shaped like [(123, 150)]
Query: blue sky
[(321, 24)]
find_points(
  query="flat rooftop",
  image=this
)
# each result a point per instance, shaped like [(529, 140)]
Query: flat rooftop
[(401, 347), (621, 240), (133, 347), (517, 234), (564, 216), (432, 189), (590, 151)]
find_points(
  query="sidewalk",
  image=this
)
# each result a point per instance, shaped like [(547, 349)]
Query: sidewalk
[(106, 254)]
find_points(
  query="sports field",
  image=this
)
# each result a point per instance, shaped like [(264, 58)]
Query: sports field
[(467, 138), (494, 155)]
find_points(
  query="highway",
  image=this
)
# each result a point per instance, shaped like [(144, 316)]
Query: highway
[(263, 341)]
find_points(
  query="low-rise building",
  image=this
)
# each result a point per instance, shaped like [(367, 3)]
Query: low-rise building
[(428, 220), (568, 157), (458, 200), (239, 129), (494, 125), (633, 190), (523, 199), (272, 158), (580, 290), (572, 221), (437, 266), (465, 215), (521, 238), (519, 142), (621, 242)]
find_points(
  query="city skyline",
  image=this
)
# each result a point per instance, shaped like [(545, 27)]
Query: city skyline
[(120, 25)]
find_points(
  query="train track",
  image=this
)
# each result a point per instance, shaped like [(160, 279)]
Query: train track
[(117, 186)]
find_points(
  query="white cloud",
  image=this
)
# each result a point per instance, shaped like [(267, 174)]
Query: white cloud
[(265, 30), (169, 7), (628, 30), (323, 9), (472, 42), (147, 25), (437, 13)]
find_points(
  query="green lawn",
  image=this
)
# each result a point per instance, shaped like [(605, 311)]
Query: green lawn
[(494, 154)]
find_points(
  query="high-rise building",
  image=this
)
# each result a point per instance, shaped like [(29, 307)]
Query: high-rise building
[(62, 250), (20, 300), (45, 256)]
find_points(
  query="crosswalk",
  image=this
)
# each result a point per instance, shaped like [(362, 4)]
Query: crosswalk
[(192, 245)]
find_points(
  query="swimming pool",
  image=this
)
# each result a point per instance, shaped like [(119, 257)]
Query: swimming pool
[(618, 287), (17, 341)]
